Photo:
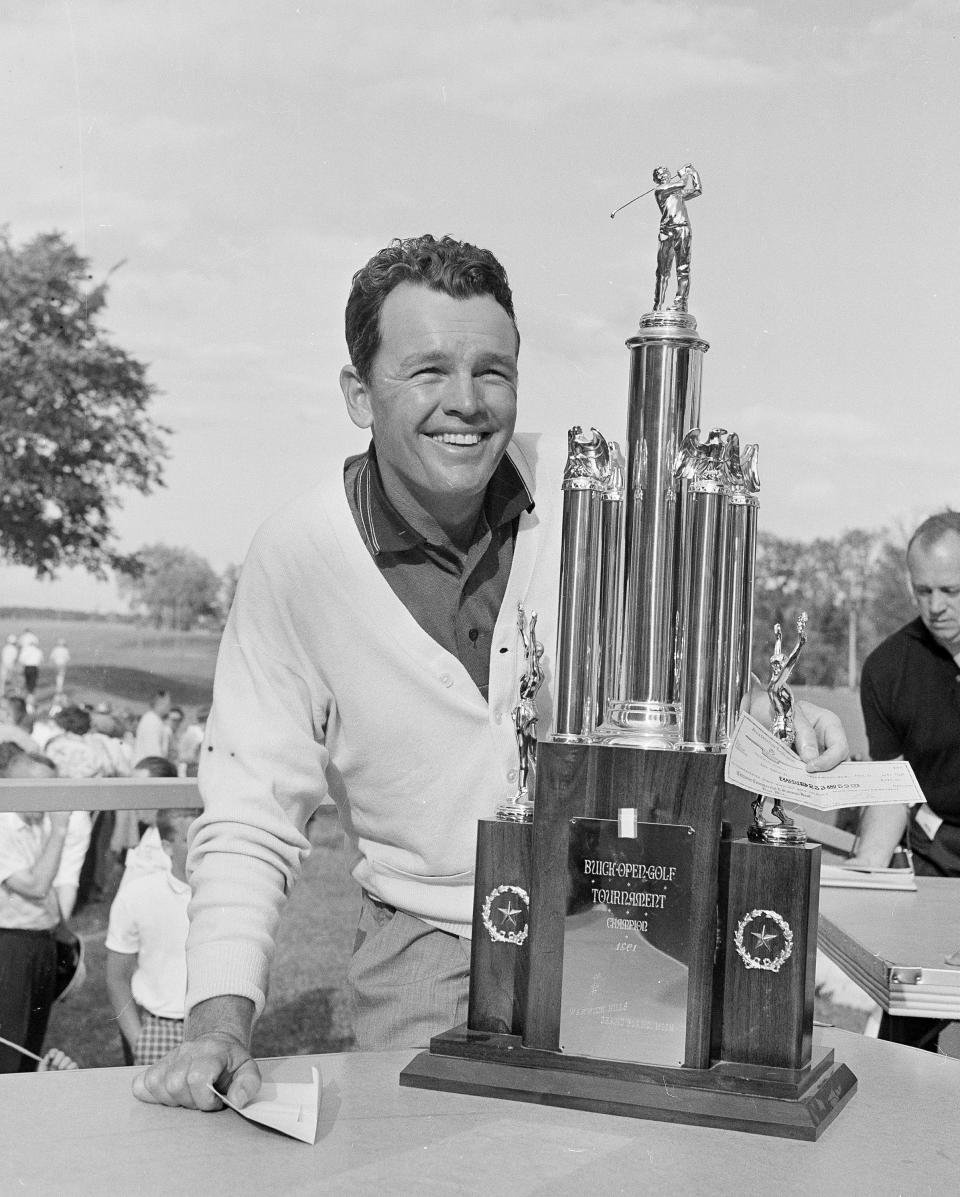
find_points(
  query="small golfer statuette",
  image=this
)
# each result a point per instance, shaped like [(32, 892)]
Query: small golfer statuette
[(676, 241), (519, 809), (781, 829)]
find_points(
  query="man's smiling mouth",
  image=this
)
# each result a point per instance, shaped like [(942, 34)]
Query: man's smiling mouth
[(457, 438)]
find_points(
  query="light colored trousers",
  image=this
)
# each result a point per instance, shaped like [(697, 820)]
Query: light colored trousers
[(409, 980)]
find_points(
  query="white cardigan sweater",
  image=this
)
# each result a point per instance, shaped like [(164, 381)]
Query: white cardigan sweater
[(326, 684)]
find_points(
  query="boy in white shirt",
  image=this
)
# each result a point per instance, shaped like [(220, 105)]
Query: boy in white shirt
[(146, 948)]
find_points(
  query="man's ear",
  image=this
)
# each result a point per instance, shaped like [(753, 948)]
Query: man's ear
[(357, 399)]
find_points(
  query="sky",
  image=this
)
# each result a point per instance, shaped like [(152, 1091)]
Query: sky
[(242, 158)]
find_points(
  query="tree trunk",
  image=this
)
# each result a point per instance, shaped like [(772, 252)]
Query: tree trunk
[(852, 670)]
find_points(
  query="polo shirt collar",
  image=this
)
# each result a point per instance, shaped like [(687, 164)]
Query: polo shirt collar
[(385, 529), (919, 631)]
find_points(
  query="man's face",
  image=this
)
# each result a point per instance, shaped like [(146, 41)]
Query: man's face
[(441, 400), (162, 705), (935, 578)]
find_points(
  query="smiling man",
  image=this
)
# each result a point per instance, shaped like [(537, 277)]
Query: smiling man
[(372, 655)]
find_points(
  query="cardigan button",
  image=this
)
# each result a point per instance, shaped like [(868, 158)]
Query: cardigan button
[(446, 679)]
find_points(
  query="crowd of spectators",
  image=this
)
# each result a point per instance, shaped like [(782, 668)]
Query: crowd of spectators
[(53, 864)]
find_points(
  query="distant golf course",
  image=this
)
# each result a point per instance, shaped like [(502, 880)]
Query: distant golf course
[(124, 663)]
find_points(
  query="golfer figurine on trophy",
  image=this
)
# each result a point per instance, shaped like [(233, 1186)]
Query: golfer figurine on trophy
[(519, 809), (782, 830)]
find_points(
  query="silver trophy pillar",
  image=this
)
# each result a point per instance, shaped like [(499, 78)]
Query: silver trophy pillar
[(738, 616), (701, 648), (611, 582), (584, 480), (666, 356)]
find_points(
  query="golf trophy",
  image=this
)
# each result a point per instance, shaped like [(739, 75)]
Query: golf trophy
[(629, 955)]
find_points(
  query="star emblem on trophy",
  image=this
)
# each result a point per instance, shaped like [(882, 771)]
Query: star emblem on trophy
[(511, 916), (773, 942)]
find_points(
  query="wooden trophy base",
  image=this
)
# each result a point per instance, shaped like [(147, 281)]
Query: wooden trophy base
[(511, 1046), (783, 1102)]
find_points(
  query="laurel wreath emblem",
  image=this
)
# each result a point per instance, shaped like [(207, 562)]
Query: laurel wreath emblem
[(498, 936), (775, 963)]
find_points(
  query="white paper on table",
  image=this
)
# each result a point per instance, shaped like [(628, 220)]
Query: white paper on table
[(291, 1107), (759, 762), (840, 876)]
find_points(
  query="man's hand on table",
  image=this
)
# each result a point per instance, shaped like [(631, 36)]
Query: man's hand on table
[(215, 1051)]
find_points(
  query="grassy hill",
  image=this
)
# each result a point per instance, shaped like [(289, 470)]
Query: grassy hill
[(124, 663)]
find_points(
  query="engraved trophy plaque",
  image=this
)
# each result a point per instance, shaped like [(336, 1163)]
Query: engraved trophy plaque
[(627, 941)]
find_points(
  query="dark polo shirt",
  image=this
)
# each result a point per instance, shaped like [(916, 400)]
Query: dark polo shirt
[(910, 694), (455, 598)]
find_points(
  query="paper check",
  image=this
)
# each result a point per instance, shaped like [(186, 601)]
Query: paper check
[(757, 761)]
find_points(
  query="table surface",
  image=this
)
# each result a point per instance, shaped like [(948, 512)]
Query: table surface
[(83, 1133), (894, 944)]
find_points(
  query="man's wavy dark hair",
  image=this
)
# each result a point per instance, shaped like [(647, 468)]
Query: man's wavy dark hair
[(457, 268)]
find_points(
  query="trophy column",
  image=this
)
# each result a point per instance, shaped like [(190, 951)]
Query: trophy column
[(666, 356)]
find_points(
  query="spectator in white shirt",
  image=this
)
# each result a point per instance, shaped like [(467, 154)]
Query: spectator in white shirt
[(8, 661), (60, 659), (153, 731), (31, 846), (146, 948)]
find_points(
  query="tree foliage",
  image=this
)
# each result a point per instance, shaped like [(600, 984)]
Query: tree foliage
[(854, 589), (174, 588), (75, 428)]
